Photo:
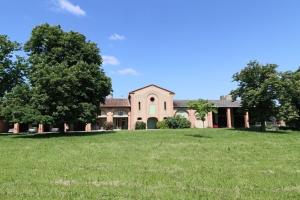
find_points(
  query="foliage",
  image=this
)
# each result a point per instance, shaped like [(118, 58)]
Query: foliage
[(290, 98), (68, 83), (177, 122), (258, 88), (108, 125), (162, 125), (13, 68), (202, 108), (16, 106), (139, 125)]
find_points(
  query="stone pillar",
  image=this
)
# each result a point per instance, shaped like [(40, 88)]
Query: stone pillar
[(88, 127), (228, 116), (192, 118), (16, 128), (41, 128), (66, 127), (210, 120), (246, 119), (129, 121), (110, 117)]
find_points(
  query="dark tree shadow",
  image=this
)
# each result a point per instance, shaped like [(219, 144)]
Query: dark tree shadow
[(56, 135), (198, 136), (5, 134), (258, 131)]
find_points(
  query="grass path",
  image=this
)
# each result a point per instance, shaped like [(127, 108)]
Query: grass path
[(164, 164)]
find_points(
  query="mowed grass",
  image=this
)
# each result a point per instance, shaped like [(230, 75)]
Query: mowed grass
[(162, 164)]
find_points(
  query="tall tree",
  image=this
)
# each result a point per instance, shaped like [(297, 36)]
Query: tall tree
[(202, 108), (12, 66), (290, 98), (68, 83), (258, 87)]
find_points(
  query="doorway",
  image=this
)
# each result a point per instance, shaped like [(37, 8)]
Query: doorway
[(151, 123)]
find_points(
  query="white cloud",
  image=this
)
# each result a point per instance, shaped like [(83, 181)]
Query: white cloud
[(110, 60), (128, 72), (116, 36), (70, 7)]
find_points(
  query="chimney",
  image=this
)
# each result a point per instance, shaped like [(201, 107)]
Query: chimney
[(110, 96), (226, 98)]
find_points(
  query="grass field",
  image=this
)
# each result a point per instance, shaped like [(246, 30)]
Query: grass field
[(165, 164)]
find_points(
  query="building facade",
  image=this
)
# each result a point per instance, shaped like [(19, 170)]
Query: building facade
[(152, 103)]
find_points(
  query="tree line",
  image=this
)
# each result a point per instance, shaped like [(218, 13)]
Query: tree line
[(267, 93), (60, 80)]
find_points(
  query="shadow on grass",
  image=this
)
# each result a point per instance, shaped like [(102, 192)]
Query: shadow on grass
[(258, 131), (198, 136), (4, 134), (69, 134)]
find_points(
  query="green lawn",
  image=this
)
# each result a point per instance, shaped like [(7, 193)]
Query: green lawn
[(165, 164)]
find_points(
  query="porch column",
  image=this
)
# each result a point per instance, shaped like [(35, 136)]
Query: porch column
[(210, 119), (66, 127), (129, 121), (16, 128), (41, 128), (246, 119), (110, 117), (192, 118), (88, 127), (228, 116)]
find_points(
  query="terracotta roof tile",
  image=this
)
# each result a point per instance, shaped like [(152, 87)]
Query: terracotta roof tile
[(218, 103), (112, 102)]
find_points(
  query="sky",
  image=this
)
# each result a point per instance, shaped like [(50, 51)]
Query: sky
[(192, 47)]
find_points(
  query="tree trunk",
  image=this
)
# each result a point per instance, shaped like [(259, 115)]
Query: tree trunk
[(61, 127), (263, 126)]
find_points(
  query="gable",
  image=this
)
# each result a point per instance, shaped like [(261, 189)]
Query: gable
[(149, 86)]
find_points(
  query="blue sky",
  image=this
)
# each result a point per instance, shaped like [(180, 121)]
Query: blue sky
[(192, 47)]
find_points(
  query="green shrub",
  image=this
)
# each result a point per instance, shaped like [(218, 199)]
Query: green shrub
[(108, 126), (177, 122), (162, 125), (140, 125)]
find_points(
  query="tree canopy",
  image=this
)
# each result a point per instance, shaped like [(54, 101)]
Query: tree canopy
[(259, 87), (12, 66), (202, 108), (66, 77), (290, 98)]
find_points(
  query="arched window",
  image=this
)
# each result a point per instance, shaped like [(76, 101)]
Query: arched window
[(182, 113), (165, 105), (139, 105)]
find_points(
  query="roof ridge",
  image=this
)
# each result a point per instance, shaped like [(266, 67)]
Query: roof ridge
[(150, 86)]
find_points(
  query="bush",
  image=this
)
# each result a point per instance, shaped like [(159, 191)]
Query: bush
[(140, 125), (162, 125), (177, 122), (108, 126)]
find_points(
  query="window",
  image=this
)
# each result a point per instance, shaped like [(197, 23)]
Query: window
[(152, 110), (139, 118), (139, 105), (152, 99), (165, 105)]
